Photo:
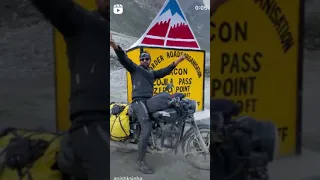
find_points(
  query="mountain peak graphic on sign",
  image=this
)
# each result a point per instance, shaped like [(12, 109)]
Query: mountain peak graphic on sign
[(170, 29)]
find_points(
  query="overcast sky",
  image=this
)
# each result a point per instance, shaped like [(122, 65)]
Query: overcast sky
[(206, 2)]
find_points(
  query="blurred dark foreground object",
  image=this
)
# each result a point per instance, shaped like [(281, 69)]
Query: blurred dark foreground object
[(241, 148), (224, 107)]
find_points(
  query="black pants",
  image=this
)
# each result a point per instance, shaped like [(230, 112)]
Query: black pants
[(91, 151), (141, 113)]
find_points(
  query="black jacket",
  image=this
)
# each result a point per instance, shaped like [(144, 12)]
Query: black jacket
[(87, 39), (142, 79)]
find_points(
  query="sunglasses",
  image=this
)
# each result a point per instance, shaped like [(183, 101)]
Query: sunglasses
[(145, 59)]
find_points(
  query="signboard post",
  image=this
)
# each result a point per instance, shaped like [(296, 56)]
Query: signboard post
[(256, 61), (168, 37)]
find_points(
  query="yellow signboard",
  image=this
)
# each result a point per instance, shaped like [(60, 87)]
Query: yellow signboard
[(187, 77), (62, 74), (255, 61)]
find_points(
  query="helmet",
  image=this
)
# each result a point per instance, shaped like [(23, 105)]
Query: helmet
[(145, 55)]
